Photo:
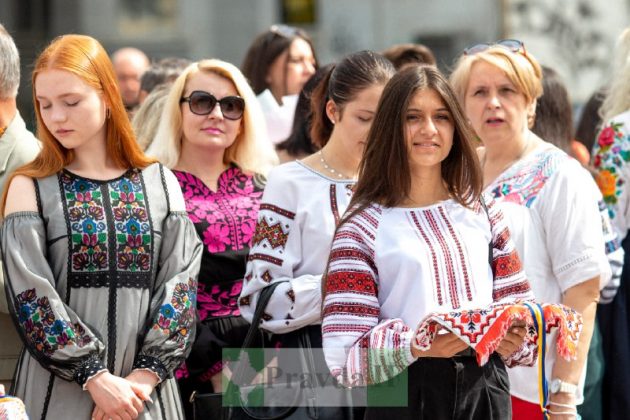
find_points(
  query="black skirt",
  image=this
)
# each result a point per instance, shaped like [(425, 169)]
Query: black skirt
[(453, 388)]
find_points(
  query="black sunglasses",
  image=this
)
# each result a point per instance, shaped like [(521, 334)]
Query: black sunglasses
[(203, 103)]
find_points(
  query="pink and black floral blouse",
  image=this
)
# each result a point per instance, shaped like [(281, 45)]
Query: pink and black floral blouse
[(225, 221)]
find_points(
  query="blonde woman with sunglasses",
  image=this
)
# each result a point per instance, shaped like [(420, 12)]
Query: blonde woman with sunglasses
[(551, 208), (212, 135)]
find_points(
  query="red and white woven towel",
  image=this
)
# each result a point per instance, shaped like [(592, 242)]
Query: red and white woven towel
[(483, 329)]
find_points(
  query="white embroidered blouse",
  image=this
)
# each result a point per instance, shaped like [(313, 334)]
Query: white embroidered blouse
[(391, 267), (298, 215), (551, 207)]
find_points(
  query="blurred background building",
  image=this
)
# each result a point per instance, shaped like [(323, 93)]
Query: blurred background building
[(574, 36)]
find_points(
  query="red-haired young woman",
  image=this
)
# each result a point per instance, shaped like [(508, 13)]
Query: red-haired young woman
[(100, 257)]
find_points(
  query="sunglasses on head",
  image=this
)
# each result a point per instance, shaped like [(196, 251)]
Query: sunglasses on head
[(285, 30), (513, 45), (203, 103)]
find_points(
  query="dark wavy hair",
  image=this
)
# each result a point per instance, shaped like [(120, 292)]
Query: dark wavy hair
[(354, 73), (299, 141), (384, 172), (264, 50)]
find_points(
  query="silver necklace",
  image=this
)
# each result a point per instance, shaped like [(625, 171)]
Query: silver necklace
[(329, 168)]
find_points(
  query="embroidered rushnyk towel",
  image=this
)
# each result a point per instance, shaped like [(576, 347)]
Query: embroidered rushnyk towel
[(483, 329)]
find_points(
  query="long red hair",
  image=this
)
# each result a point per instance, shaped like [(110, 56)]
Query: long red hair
[(86, 58)]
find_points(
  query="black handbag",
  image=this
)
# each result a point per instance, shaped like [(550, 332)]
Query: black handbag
[(282, 399)]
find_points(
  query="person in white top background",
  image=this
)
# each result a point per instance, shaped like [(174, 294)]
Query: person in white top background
[(304, 200), (551, 207), (278, 64), (418, 239), (610, 160)]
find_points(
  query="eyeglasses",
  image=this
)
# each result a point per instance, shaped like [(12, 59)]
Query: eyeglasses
[(285, 30), (513, 45), (203, 103)]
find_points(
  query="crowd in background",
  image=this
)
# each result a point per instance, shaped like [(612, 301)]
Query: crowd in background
[(159, 200)]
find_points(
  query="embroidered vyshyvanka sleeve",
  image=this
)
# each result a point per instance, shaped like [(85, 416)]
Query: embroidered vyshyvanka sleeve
[(50, 330), (276, 252), (171, 326), (360, 348), (611, 154), (509, 282)]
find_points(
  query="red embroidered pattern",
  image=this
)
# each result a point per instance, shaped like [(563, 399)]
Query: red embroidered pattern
[(271, 232), (282, 212), (291, 295), (333, 203), (448, 259), (244, 301), (264, 257), (436, 274), (507, 265), (483, 329), (351, 254), (502, 239), (514, 289), (350, 281), (266, 276), (460, 252), (355, 309)]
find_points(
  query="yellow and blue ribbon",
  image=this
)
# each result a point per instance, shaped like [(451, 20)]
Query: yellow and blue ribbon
[(541, 342)]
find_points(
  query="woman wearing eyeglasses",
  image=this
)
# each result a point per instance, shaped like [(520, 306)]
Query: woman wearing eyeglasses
[(212, 137), (551, 206), (278, 64)]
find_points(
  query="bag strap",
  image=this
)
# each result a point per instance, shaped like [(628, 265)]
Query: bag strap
[(263, 300), (490, 247)]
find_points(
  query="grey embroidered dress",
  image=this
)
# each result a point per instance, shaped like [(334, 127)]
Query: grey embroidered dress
[(103, 276)]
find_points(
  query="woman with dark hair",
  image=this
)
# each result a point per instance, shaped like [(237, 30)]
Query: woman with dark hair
[(304, 199), (277, 65), (299, 144), (554, 117), (416, 241)]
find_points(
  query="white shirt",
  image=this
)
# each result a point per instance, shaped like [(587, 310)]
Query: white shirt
[(391, 267), (551, 207), (298, 215)]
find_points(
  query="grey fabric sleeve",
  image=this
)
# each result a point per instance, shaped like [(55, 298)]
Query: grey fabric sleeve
[(171, 327), (51, 331)]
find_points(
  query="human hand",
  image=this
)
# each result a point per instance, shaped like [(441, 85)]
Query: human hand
[(114, 398), (444, 345), (143, 382), (513, 339)]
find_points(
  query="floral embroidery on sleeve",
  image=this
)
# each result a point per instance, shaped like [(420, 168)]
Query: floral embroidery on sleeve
[(43, 331), (612, 151), (175, 317)]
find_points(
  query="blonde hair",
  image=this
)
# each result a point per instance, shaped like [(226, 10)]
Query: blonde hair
[(146, 119), (618, 94), (521, 68), (251, 150)]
